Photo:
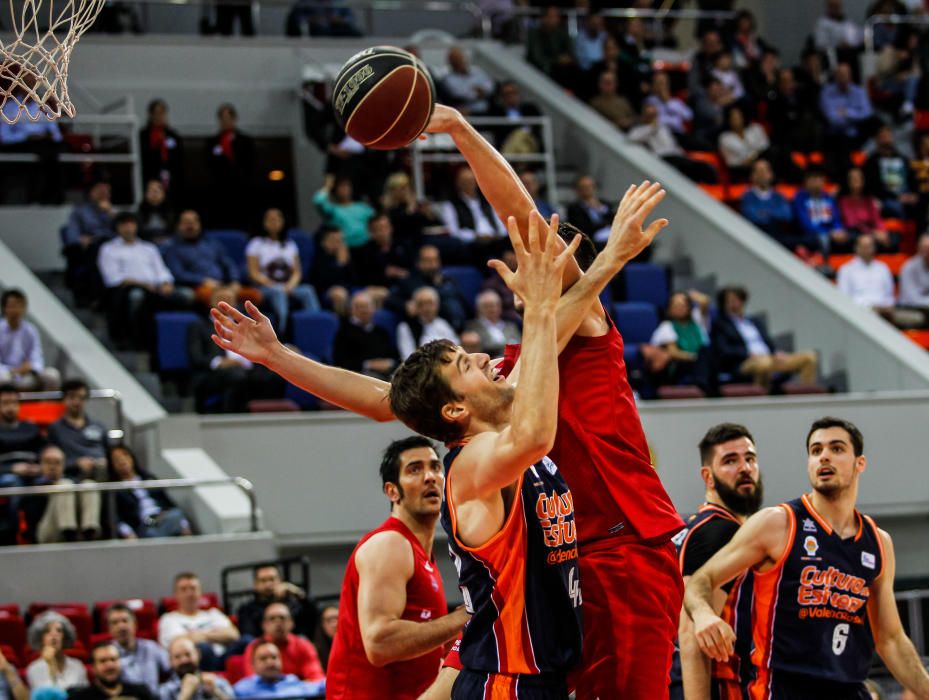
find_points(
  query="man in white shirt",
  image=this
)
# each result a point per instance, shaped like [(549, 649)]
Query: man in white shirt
[(425, 325), (914, 278), (835, 31), (866, 281), (658, 138), (469, 87), (467, 216), (210, 630), (494, 332), (22, 362)]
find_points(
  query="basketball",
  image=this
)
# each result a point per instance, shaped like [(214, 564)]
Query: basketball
[(383, 97)]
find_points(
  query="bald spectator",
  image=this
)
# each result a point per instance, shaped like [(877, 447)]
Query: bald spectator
[(61, 517), (268, 587), (209, 629), (269, 680), (494, 332), (611, 105), (914, 278), (187, 682), (22, 362), (512, 138), (866, 281), (425, 324), (765, 207), (469, 88), (298, 655), (362, 346), (142, 660), (108, 679)]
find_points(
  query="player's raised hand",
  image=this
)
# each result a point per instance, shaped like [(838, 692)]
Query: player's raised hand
[(628, 234), (250, 336), (714, 637), (540, 262), (443, 119)]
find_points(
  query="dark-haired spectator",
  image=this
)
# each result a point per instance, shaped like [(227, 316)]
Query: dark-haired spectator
[(187, 682), (673, 112), (471, 221), (362, 346), (162, 150), (847, 109), (549, 47), (12, 686), (424, 323), (611, 105), (22, 362), (274, 265), (50, 634), (269, 680), (61, 517), (83, 440), (382, 261), (494, 331), (710, 114), (142, 660), (861, 212), (887, 172), (835, 32), (748, 48), (865, 280), (411, 218), (724, 71), (610, 63), (761, 79), (336, 203), (141, 513), (704, 60), (428, 273), (222, 380), (764, 206), (514, 139), (155, 214), (231, 163), (742, 347), (741, 144), (321, 18), (89, 225), (635, 64), (659, 139), (298, 655), (914, 278), (468, 87), (683, 338), (588, 212), (108, 678), (531, 182), (588, 45), (20, 444), (138, 284), (811, 76), (268, 587), (331, 272), (898, 70), (210, 630), (794, 119), (818, 215), (325, 633)]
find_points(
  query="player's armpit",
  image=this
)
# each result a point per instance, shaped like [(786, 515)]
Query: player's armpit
[(491, 462)]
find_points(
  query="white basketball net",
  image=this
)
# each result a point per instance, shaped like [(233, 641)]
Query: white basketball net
[(34, 63)]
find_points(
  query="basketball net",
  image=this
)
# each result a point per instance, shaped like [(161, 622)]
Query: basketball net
[(34, 63)]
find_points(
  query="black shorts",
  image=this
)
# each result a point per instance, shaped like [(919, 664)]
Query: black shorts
[(474, 685), (792, 686)]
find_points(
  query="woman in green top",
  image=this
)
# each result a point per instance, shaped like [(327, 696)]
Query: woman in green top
[(684, 340), (334, 202)]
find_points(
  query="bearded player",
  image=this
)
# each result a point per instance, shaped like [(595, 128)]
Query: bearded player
[(823, 586)]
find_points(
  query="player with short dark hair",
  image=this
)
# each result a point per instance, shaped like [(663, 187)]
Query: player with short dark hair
[(823, 586)]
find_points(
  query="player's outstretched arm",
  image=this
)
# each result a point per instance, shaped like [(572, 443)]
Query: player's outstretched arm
[(695, 665), (441, 689), (385, 565), (761, 541), (894, 647), (253, 337)]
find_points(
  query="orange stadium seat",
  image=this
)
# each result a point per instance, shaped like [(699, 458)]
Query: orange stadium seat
[(737, 190), (836, 261), (43, 413), (858, 158), (894, 261), (788, 191), (920, 337), (717, 192)]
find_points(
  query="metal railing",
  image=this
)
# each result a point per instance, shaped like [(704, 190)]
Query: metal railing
[(871, 22), (106, 394), (110, 488)]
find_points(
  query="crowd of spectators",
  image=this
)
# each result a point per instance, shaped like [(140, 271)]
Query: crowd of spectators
[(193, 651)]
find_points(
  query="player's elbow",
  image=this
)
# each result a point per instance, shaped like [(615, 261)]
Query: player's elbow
[(376, 649)]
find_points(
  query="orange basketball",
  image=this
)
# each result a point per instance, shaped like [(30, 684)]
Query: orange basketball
[(383, 97)]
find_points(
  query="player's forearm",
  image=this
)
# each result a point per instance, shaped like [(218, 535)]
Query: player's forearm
[(354, 392), (222, 635), (581, 299), (902, 660), (399, 640), (535, 406), (698, 595), (695, 666)]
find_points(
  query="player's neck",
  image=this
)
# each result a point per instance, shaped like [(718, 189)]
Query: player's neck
[(713, 499), (422, 527), (838, 511)]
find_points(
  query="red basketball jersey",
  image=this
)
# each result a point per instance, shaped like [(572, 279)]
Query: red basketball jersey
[(350, 675), (600, 446)]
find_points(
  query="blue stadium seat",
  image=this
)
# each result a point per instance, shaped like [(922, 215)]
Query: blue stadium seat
[(646, 282), (314, 333), (171, 327), (468, 279), (387, 319), (306, 247), (233, 241), (636, 321)]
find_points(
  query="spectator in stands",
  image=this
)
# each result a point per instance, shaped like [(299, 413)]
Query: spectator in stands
[(835, 32), (818, 214), (140, 512), (274, 265), (210, 630), (761, 80), (298, 655), (898, 70), (155, 213), (704, 60), (269, 681), (89, 225), (187, 682), (728, 76), (659, 139), (62, 516), (12, 686), (673, 112), (635, 64), (683, 338), (325, 633), (914, 278), (322, 18), (383, 261), (496, 283), (231, 163), (362, 346), (887, 172), (468, 87), (222, 380), (20, 444), (142, 660), (108, 678), (511, 139), (610, 63), (611, 105), (410, 217), (743, 348), (335, 202), (424, 324), (531, 182), (50, 634), (850, 120), (331, 272), (549, 47), (748, 48), (919, 167), (811, 76), (588, 46), (767, 208), (471, 221), (866, 281), (588, 212), (428, 273), (198, 264), (710, 114), (162, 150), (741, 144), (794, 120), (861, 212), (35, 133), (22, 362), (494, 331), (138, 284), (267, 588)]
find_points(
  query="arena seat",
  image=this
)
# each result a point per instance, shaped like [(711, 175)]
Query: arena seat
[(314, 333), (13, 633), (468, 279), (646, 282), (42, 413), (894, 261), (837, 260), (273, 406), (800, 389), (920, 337), (39, 607), (680, 392), (717, 192), (144, 609), (172, 339), (306, 246), (235, 668), (232, 241), (740, 390), (636, 321), (10, 654), (387, 319), (10, 608), (787, 191)]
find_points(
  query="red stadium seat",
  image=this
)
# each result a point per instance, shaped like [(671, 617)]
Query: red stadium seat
[(98, 637), (858, 158), (10, 654), (235, 668), (13, 633), (680, 392), (717, 192), (40, 607), (9, 609), (836, 261), (44, 413), (919, 337), (788, 191), (906, 229), (894, 261), (145, 610)]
